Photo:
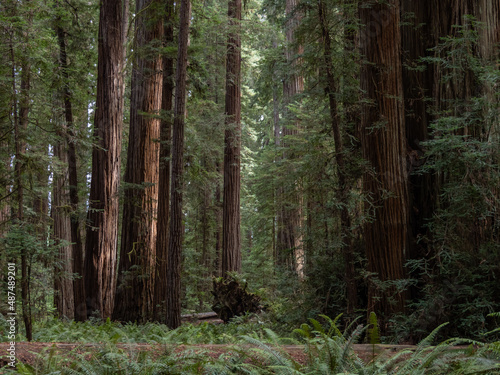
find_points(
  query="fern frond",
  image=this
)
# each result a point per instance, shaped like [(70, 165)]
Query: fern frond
[(373, 331), (430, 338), (278, 358), (348, 352), (317, 326), (285, 370), (333, 325)]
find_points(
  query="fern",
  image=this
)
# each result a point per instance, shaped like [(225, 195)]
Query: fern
[(275, 358)]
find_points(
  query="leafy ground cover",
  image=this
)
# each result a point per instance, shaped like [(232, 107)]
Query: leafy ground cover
[(241, 347)]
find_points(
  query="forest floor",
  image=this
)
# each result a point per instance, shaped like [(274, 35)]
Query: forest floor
[(28, 352)]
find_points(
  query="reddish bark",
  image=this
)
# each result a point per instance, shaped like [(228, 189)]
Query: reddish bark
[(173, 297), (136, 275), (383, 143), (231, 236), (102, 218)]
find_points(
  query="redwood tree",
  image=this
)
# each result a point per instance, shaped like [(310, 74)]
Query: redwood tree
[(289, 249), (231, 237), (383, 144), (63, 267), (78, 288), (135, 290), (102, 219), (160, 283), (173, 297)]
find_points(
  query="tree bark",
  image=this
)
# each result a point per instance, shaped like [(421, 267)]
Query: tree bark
[(160, 283), (80, 308), (173, 316), (289, 238), (20, 128), (102, 229), (383, 144), (218, 225), (136, 273), (231, 236), (63, 268)]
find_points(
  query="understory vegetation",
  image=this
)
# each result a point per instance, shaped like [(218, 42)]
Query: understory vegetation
[(253, 348)]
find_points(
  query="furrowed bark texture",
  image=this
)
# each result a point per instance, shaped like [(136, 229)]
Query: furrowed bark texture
[(173, 297), (383, 143), (80, 307), (102, 230), (136, 275), (415, 41), (231, 236), (430, 21), (164, 172), (63, 270)]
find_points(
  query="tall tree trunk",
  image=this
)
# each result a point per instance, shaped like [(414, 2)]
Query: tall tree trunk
[(488, 12), (21, 108), (160, 283), (205, 235), (69, 133), (218, 225), (289, 238), (20, 129), (277, 190), (231, 236), (63, 268), (430, 21), (415, 41), (383, 144), (102, 230), (343, 188), (173, 297), (136, 273)]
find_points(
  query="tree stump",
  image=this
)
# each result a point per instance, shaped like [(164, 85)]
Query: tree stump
[(231, 299)]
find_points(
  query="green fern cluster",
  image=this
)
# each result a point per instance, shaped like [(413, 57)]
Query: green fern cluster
[(108, 331), (328, 350), (97, 331), (331, 352), (111, 360)]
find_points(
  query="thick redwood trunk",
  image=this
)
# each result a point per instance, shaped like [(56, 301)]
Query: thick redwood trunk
[(439, 89), (136, 275), (160, 283), (231, 236), (102, 230), (69, 133), (173, 297), (383, 143)]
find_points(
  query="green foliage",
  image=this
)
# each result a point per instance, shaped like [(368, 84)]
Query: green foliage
[(373, 332), (97, 331), (329, 351), (459, 275)]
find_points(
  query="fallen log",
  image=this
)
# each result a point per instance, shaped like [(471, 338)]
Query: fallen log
[(199, 316)]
